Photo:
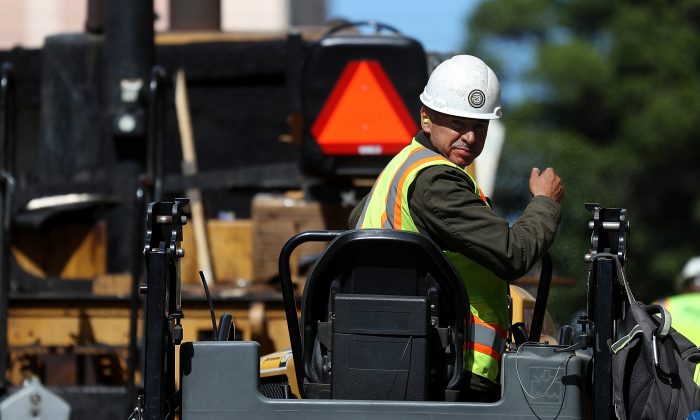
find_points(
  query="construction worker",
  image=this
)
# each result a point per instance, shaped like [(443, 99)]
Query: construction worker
[(685, 306), (425, 188)]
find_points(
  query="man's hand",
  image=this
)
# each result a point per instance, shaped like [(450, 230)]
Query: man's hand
[(546, 183)]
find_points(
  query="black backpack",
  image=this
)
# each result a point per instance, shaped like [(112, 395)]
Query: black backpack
[(652, 365)]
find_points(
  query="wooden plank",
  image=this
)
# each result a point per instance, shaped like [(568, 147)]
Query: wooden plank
[(190, 37), (231, 251), (189, 167), (114, 284), (277, 218), (64, 327), (232, 255)]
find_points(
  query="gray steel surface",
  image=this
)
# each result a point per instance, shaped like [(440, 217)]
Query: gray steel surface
[(220, 381)]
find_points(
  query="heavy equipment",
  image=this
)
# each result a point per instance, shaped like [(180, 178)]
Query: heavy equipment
[(101, 122), (382, 331)]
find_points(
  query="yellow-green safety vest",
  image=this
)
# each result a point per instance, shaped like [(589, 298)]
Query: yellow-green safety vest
[(685, 314), (387, 208), (685, 317)]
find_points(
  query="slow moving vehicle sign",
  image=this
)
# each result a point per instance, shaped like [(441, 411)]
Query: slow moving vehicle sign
[(364, 114)]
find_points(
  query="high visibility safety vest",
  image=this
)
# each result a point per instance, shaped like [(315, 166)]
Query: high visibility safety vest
[(685, 314), (387, 208), (685, 317)]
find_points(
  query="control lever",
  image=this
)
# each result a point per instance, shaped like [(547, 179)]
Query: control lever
[(225, 325), (584, 340), (223, 331), (566, 335), (519, 333)]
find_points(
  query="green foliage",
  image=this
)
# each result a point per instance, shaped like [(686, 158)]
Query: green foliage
[(617, 114), (584, 167), (512, 18)]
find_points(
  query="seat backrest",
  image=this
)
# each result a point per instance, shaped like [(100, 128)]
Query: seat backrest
[(360, 101), (382, 309)]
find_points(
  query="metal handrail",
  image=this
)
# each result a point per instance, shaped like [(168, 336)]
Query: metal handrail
[(290, 307)]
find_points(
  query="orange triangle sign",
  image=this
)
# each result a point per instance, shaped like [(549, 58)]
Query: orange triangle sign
[(364, 114)]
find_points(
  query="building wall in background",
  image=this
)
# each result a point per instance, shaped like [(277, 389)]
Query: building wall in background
[(26, 23)]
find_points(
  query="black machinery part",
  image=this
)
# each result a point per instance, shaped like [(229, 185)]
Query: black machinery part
[(445, 276), (7, 86)]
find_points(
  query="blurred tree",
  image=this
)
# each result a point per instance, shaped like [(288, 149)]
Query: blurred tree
[(612, 101)]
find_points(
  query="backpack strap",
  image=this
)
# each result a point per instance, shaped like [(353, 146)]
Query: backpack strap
[(620, 274), (624, 341), (661, 331)]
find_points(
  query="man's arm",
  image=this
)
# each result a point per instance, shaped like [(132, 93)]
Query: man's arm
[(444, 207)]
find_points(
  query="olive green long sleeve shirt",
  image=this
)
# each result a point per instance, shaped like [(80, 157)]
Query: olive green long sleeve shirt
[(444, 208)]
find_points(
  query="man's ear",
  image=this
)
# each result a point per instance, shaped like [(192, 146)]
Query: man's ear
[(424, 120)]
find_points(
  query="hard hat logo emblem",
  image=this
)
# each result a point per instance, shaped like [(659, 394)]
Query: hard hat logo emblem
[(476, 98)]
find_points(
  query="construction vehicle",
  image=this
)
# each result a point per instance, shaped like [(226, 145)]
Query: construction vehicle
[(380, 337), (74, 198)]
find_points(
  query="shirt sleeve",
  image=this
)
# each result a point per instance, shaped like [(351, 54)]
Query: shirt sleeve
[(445, 208)]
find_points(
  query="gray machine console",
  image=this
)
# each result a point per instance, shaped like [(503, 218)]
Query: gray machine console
[(220, 381)]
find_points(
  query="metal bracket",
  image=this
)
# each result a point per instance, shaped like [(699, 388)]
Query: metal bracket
[(163, 331), (609, 230)]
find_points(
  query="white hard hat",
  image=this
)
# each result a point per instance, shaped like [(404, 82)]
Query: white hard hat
[(463, 86), (690, 275), (691, 269)]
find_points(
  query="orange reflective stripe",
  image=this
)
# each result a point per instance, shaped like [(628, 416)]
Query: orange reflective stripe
[(483, 197), (417, 156), (499, 330), (477, 347), (397, 198), (484, 335), (399, 190)]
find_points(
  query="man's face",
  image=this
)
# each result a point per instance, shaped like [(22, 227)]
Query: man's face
[(459, 139)]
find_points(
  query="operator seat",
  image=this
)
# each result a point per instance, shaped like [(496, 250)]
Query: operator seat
[(384, 316)]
